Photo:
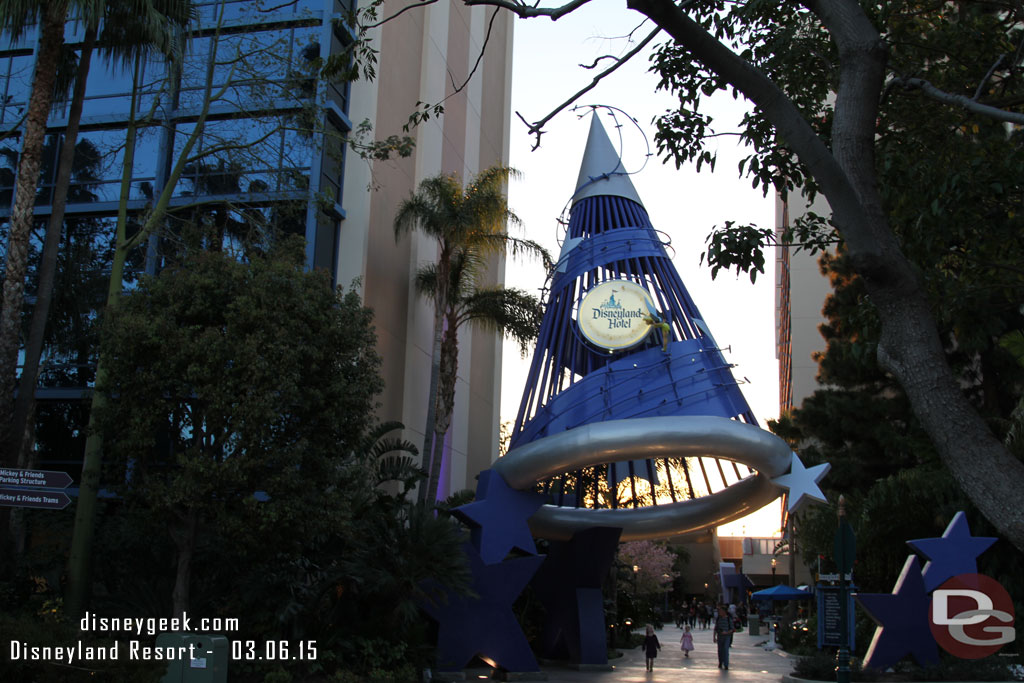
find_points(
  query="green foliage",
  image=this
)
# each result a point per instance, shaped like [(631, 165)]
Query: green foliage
[(950, 178), (278, 676), (738, 247), (233, 378), (240, 433), (799, 638), (36, 625), (821, 666)]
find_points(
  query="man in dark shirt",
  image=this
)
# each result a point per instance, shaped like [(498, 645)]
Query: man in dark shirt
[(723, 636)]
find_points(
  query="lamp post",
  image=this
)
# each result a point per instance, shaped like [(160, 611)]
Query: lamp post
[(774, 562), (633, 606), (668, 587)]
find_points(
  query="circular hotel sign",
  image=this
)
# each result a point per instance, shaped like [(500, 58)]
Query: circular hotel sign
[(611, 314)]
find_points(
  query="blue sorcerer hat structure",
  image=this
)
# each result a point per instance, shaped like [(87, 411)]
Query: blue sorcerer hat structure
[(631, 427)]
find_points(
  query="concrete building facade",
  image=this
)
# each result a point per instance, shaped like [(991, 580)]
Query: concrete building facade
[(422, 53), (800, 293)]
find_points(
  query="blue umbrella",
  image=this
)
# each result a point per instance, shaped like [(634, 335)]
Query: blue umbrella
[(781, 593)]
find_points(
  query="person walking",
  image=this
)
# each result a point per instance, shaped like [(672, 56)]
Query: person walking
[(651, 647), (686, 642), (723, 636)]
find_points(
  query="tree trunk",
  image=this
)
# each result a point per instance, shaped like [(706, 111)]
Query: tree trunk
[(185, 541), (448, 377), (430, 445), (22, 426), (80, 559), (51, 39), (428, 430)]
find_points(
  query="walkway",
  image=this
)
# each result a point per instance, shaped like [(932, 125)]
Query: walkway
[(747, 662)]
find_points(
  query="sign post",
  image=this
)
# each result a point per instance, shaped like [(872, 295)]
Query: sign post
[(845, 549), (34, 489)]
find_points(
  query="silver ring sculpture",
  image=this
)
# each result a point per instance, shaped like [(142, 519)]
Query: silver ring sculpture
[(650, 437)]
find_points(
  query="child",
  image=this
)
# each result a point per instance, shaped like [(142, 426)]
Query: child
[(651, 647), (686, 643)]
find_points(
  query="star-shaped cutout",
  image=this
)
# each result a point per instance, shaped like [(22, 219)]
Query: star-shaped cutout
[(484, 625), (499, 518), (954, 554), (802, 482), (902, 618)]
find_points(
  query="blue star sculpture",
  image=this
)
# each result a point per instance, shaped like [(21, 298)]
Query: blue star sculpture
[(902, 618), (484, 625), (569, 586), (802, 482), (498, 518), (954, 554)]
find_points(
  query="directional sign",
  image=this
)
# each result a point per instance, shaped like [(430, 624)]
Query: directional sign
[(44, 500), (830, 632), (42, 479)]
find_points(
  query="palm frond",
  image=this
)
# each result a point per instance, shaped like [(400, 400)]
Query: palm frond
[(402, 469), (514, 246), (392, 444), (18, 15), (426, 280), (512, 312), (138, 28)]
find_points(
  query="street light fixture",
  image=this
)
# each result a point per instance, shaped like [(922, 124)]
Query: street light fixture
[(774, 562)]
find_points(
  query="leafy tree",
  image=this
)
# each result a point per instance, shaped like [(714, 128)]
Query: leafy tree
[(225, 73), (235, 390), (469, 227), (861, 422), (817, 73)]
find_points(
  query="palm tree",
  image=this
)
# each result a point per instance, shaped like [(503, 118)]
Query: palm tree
[(469, 226), (14, 20)]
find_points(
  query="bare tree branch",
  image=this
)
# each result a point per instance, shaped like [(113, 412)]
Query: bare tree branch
[(959, 100), (525, 11), (536, 128), (984, 81), (597, 61), (476, 65), (422, 3)]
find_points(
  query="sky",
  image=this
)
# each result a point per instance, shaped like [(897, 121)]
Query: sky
[(683, 204)]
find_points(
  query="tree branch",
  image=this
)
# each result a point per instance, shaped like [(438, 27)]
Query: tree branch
[(988, 75), (525, 11), (422, 3), (479, 58), (959, 100), (536, 127), (777, 108)]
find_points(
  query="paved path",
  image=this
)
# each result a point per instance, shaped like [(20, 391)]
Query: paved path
[(747, 662)]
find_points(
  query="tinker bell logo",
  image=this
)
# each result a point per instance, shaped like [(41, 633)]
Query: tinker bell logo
[(611, 302)]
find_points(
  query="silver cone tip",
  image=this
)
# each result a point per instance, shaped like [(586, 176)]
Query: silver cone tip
[(601, 172)]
